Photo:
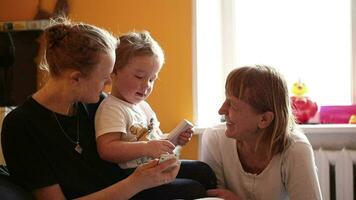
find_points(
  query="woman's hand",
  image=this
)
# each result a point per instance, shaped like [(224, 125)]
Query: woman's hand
[(155, 148), (153, 174), (222, 193), (185, 137)]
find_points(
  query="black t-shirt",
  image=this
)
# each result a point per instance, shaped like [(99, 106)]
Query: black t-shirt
[(38, 153)]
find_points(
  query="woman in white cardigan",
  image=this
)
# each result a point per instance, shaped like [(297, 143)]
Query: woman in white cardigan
[(259, 153)]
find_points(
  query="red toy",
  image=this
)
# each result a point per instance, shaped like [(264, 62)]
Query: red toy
[(303, 107)]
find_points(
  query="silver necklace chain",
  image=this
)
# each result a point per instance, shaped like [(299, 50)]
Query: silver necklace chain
[(77, 147)]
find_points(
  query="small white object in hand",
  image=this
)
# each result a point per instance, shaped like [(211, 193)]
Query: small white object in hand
[(165, 157), (181, 127)]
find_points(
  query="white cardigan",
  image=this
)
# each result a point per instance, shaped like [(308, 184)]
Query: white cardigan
[(289, 175)]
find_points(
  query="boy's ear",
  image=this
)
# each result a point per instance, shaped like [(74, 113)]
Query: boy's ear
[(266, 119), (75, 76)]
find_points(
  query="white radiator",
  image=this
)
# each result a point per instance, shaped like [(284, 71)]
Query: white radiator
[(343, 162)]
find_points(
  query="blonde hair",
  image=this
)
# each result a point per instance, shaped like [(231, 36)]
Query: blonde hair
[(265, 89), (74, 45), (137, 44)]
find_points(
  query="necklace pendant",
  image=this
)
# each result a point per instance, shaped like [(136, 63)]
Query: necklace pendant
[(78, 149)]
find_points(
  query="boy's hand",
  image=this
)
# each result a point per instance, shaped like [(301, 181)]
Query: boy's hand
[(185, 137), (158, 147)]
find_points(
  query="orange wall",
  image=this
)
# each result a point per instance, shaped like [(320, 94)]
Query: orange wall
[(170, 23)]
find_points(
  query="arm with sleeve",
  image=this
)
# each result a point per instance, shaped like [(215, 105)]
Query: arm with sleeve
[(110, 118), (22, 153), (299, 172), (211, 154)]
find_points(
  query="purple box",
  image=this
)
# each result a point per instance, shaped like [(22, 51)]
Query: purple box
[(336, 114)]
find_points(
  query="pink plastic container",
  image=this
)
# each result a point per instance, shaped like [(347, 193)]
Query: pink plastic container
[(336, 114)]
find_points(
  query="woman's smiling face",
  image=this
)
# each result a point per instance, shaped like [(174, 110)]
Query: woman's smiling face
[(241, 119)]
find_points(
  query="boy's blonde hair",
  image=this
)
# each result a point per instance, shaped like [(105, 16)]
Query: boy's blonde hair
[(265, 89), (74, 45), (137, 44)]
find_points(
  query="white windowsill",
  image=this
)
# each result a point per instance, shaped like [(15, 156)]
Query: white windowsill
[(328, 128), (326, 136), (313, 128)]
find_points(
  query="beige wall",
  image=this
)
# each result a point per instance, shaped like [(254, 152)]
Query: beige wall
[(170, 23)]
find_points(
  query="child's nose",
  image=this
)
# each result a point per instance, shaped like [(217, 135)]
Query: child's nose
[(145, 83)]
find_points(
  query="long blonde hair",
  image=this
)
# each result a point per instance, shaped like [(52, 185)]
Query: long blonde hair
[(265, 89)]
